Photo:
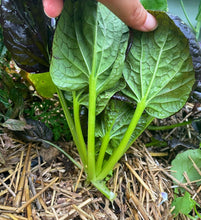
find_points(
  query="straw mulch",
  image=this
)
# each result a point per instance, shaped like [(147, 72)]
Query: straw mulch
[(40, 183)]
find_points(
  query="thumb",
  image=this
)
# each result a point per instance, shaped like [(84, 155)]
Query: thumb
[(52, 8), (132, 13)]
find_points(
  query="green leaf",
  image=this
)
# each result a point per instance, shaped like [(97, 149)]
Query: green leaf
[(116, 119), (183, 204), (155, 4), (182, 163), (43, 84), (159, 69), (88, 39)]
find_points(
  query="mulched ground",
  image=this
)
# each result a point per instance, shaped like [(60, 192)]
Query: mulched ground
[(40, 183)]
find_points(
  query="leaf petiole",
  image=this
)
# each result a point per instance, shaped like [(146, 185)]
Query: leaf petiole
[(91, 127), (184, 10), (100, 185), (64, 152), (103, 148), (71, 125), (124, 142), (76, 111)]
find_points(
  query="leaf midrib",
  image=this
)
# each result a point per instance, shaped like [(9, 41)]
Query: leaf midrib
[(144, 97)]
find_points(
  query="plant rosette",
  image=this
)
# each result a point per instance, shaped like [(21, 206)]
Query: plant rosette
[(89, 66)]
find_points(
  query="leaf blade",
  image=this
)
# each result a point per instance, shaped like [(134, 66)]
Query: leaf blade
[(155, 5), (159, 68), (87, 32), (182, 163)]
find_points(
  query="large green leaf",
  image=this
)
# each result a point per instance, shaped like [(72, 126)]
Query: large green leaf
[(155, 4), (88, 39), (184, 163), (159, 69)]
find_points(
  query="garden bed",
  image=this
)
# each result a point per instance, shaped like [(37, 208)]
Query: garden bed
[(41, 183)]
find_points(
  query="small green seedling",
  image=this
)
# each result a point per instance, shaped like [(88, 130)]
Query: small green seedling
[(184, 205)]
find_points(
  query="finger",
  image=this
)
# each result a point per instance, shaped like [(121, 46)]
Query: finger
[(132, 13), (53, 8)]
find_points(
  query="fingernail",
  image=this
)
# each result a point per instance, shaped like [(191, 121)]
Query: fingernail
[(150, 23)]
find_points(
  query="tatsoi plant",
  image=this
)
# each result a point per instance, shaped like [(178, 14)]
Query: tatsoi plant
[(121, 79), (92, 60)]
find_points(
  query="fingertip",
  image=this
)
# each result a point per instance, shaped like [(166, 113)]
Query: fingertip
[(150, 23), (53, 8)]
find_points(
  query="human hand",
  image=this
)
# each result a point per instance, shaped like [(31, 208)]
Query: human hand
[(131, 12)]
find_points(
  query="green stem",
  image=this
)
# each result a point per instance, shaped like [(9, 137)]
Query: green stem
[(196, 211), (184, 10), (91, 127), (92, 113), (100, 185), (198, 30), (118, 153), (71, 124), (66, 154), (149, 120), (167, 127), (76, 110), (101, 154), (103, 148)]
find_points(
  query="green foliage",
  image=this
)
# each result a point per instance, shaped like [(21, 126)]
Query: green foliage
[(89, 66), (155, 5), (190, 159), (184, 163), (113, 123), (12, 91), (12, 94), (111, 127), (49, 112), (95, 64), (98, 34), (88, 61), (183, 204), (156, 63), (43, 84), (197, 27)]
